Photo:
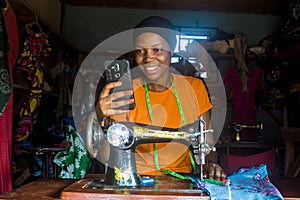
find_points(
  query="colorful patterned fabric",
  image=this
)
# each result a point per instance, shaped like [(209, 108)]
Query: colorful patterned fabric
[(74, 161), (35, 47), (246, 183)]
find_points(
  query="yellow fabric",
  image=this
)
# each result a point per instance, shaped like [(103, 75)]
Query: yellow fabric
[(173, 156)]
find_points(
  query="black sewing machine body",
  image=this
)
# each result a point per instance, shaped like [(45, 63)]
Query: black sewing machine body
[(124, 137), (239, 127)]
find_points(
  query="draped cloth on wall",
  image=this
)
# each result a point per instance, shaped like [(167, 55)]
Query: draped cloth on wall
[(7, 114), (35, 48), (244, 102), (5, 84)]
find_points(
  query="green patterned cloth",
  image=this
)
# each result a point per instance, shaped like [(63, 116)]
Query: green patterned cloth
[(5, 84), (74, 161)]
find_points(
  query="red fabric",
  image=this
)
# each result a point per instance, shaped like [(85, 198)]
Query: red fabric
[(244, 103), (233, 162), (6, 118)]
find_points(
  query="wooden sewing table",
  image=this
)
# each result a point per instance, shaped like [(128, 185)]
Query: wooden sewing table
[(167, 188)]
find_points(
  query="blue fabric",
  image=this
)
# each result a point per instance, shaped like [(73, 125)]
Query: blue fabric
[(245, 183)]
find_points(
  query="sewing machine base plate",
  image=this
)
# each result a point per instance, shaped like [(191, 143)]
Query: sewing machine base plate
[(165, 187)]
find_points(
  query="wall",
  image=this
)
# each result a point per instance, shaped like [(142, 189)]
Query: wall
[(85, 27), (49, 11)]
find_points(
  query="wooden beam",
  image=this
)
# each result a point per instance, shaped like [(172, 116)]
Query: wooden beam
[(272, 7)]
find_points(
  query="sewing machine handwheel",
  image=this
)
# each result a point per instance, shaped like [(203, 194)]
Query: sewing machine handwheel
[(119, 135), (94, 135)]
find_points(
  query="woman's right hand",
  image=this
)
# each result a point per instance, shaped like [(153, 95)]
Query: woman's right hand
[(106, 101)]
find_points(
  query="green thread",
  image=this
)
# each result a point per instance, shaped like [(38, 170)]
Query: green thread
[(156, 157), (148, 102), (178, 103), (215, 182), (176, 174), (192, 161)]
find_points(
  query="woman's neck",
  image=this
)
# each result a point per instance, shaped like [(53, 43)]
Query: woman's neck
[(157, 87), (161, 85)]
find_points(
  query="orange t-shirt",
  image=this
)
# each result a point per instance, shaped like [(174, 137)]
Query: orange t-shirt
[(194, 101)]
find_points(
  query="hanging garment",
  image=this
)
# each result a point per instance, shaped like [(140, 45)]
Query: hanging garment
[(7, 114), (35, 48), (240, 47), (244, 102), (5, 84), (5, 91)]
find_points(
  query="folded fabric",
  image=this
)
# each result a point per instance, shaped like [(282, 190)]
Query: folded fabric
[(245, 183)]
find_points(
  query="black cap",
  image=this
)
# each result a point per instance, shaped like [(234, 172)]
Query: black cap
[(158, 25)]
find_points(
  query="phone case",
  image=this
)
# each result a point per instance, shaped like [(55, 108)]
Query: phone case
[(119, 70)]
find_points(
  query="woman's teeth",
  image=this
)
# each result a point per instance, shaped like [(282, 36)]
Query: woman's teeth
[(151, 68)]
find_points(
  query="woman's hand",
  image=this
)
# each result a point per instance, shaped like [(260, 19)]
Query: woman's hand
[(106, 102), (216, 172)]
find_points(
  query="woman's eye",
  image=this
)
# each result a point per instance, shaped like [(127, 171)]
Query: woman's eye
[(157, 50), (140, 51)]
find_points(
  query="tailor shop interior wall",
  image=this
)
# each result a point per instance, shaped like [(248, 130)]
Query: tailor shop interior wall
[(86, 27)]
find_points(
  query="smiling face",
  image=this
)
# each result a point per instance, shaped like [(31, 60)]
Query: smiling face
[(153, 56)]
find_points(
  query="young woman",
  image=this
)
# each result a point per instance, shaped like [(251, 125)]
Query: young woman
[(161, 98)]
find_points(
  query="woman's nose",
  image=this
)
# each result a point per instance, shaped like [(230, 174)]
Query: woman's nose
[(149, 55)]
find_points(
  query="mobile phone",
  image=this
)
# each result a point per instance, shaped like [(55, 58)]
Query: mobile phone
[(119, 70)]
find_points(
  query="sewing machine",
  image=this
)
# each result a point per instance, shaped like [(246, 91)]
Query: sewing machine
[(238, 127), (121, 179), (124, 137)]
